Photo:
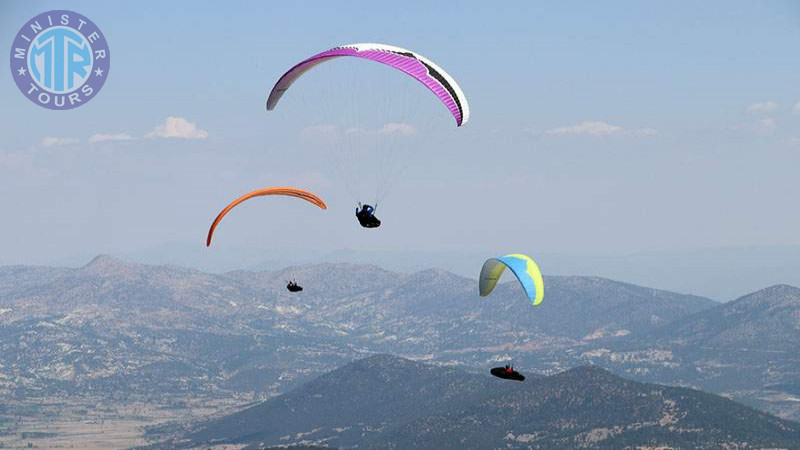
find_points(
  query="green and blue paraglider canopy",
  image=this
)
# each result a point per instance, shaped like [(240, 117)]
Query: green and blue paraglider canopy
[(523, 267)]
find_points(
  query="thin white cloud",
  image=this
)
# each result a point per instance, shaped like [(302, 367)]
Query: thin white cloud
[(597, 128), (792, 141), (100, 137), (762, 107), (643, 132), (585, 128), (765, 126), (796, 108), (354, 130), (319, 130), (179, 128), (56, 141), (24, 162), (398, 128), (392, 128)]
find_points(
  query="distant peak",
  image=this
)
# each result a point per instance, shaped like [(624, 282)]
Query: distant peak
[(778, 292), (104, 264), (781, 288), (102, 258), (434, 274), (334, 266), (386, 363)]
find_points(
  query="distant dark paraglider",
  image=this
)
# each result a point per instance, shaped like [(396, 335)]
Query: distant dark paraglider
[(291, 192), (507, 373), (366, 216), (292, 286)]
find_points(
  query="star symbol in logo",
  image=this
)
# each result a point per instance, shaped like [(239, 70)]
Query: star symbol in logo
[(98, 72), (21, 71)]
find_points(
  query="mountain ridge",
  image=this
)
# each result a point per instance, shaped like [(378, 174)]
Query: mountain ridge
[(583, 407), (243, 333)]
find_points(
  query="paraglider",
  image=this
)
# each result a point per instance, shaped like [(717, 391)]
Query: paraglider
[(529, 276), (366, 216), (523, 267), (292, 286), (507, 373), (291, 192), (420, 68), (367, 117)]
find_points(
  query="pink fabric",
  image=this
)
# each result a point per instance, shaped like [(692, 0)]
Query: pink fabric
[(407, 64)]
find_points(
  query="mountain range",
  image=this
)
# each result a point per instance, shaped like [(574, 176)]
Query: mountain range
[(386, 402), (165, 333), (720, 273)]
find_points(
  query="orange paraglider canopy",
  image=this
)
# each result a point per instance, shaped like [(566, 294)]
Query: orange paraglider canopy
[(291, 192)]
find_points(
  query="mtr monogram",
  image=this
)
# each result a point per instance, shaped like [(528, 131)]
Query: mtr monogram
[(60, 60)]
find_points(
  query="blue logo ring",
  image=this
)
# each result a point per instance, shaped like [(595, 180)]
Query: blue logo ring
[(60, 59)]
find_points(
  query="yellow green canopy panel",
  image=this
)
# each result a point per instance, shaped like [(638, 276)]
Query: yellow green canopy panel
[(523, 267)]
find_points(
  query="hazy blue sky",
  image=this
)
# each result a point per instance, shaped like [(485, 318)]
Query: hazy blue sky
[(598, 127)]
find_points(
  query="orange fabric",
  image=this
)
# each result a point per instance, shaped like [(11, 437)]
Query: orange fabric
[(291, 192)]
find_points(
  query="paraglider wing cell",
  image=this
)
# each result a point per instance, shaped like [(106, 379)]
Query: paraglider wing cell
[(423, 70), (291, 192), (523, 267)]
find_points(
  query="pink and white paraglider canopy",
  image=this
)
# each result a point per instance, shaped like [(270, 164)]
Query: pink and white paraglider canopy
[(415, 65)]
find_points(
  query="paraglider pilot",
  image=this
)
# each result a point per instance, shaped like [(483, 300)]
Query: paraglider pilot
[(292, 286), (507, 373), (366, 216)]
